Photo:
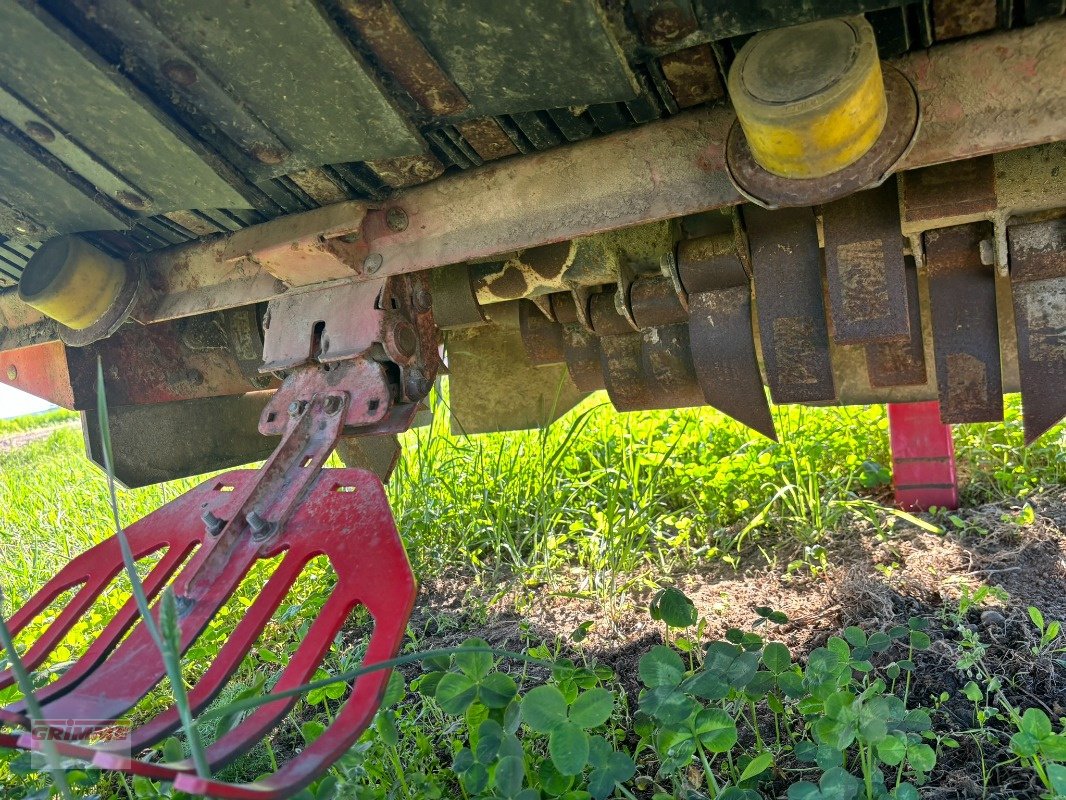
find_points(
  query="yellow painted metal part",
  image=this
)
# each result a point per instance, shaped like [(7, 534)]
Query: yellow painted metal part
[(72, 282), (811, 98)]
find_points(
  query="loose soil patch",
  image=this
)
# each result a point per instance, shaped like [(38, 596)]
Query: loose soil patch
[(873, 582)]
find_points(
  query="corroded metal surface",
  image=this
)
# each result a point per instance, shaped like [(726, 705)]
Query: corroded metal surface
[(405, 57), (955, 18), (997, 92), (721, 336), (692, 75), (864, 268), (487, 138), (901, 363), (788, 297), (962, 295), (1038, 280), (947, 194)]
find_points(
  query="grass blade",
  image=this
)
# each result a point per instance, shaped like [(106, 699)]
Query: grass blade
[(167, 637)]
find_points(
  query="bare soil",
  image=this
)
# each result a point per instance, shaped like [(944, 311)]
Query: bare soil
[(16, 440), (873, 582)]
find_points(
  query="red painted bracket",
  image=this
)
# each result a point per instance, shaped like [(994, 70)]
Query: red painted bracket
[(923, 457), (345, 516)]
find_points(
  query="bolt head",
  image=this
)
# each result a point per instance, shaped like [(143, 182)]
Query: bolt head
[(396, 219), (40, 133), (333, 404), (180, 73), (294, 408), (130, 200), (373, 262), (265, 154), (422, 300)]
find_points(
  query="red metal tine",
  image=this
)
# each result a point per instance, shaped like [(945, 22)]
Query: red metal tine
[(353, 527), (372, 569), (93, 570), (135, 667), (177, 524)]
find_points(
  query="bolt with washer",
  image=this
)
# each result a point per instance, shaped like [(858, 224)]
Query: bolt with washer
[(372, 263), (396, 219)]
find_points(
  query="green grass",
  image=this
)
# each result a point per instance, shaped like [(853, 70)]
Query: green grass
[(601, 503), (31, 422)]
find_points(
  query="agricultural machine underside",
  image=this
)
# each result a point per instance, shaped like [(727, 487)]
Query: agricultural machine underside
[(264, 230)]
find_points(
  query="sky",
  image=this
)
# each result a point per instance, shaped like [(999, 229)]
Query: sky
[(14, 403)]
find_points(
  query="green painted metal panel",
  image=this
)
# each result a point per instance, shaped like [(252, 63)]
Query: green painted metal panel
[(36, 203), (523, 55), (90, 103), (290, 65)]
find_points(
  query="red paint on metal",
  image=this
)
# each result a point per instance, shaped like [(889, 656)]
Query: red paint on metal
[(923, 457), (40, 370), (345, 516)]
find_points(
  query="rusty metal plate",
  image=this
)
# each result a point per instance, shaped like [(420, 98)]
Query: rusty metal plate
[(1038, 283), (692, 75), (864, 267), (525, 56), (947, 194), (788, 297), (650, 370), (582, 350), (953, 19), (405, 58), (487, 138), (666, 360), (543, 338), (663, 23), (720, 331), (156, 364), (901, 363), (152, 443), (962, 294)]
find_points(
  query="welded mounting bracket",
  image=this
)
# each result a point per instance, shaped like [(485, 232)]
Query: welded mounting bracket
[(371, 382)]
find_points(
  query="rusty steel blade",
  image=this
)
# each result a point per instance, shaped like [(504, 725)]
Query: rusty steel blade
[(864, 267), (1038, 284), (720, 330), (650, 370), (962, 294), (901, 363), (788, 298)]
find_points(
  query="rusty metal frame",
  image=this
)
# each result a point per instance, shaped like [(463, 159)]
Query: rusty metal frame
[(657, 171)]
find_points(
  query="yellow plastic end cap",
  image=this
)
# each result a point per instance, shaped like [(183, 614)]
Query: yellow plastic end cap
[(810, 98), (72, 282)]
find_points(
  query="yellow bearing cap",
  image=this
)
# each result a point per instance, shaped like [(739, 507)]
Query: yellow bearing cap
[(810, 98), (72, 282)]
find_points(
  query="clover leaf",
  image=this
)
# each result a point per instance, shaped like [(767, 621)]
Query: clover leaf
[(546, 710)]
